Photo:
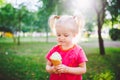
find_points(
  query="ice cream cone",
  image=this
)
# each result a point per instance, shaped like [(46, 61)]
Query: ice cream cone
[(56, 58), (56, 62)]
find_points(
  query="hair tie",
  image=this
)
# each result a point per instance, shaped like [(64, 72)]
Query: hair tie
[(57, 17)]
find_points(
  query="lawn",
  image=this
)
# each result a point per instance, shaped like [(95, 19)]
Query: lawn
[(27, 62)]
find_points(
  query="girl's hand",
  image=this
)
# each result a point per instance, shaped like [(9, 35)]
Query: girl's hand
[(62, 68), (54, 70)]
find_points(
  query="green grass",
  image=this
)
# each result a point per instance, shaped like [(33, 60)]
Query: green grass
[(24, 62), (105, 67), (27, 62)]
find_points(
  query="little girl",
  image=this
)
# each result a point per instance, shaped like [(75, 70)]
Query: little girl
[(67, 29)]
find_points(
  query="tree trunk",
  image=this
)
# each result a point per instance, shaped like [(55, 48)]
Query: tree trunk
[(19, 28), (46, 28), (14, 39), (18, 40), (101, 43), (18, 37), (100, 10)]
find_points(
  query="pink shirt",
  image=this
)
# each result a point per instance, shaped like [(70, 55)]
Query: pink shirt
[(72, 57)]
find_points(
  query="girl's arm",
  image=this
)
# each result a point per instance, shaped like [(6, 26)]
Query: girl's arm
[(50, 69), (77, 70), (72, 70)]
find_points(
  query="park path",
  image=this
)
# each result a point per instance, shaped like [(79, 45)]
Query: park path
[(96, 44), (112, 43)]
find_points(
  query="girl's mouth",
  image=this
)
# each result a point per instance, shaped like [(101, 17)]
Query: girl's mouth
[(61, 41)]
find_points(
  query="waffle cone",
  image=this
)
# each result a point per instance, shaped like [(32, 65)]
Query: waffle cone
[(56, 62)]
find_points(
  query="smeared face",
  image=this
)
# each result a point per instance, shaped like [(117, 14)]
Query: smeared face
[(64, 35)]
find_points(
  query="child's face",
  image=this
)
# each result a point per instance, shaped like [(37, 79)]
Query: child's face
[(64, 36)]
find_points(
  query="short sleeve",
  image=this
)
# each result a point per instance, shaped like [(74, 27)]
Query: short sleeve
[(81, 56)]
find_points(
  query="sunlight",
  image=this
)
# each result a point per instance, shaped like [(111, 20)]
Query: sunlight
[(81, 5)]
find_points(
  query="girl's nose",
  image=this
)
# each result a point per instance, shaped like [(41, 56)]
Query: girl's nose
[(61, 37)]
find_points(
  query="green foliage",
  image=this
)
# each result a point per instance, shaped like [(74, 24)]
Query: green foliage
[(89, 26), (113, 7), (7, 13), (106, 75), (114, 34), (22, 19), (100, 67), (2, 3)]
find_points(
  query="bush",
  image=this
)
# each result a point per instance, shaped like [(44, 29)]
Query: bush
[(114, 34), (107, 75)]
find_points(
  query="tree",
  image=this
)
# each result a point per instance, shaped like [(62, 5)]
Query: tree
[(100, 11), (114, 9), (44, 13), (7, 19), (11, 18), (7, 16), (20, 14)]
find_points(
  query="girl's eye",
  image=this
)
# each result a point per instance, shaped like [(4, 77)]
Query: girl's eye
[(66, 35), (58, 35)]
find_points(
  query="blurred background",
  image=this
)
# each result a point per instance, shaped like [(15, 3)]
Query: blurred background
[(25, 37), (27, 18)]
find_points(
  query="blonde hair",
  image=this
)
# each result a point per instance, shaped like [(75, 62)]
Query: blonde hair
[(76, 20)]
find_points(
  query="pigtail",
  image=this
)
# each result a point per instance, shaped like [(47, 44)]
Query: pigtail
[(80, 24), (79, 21), (52, 21)]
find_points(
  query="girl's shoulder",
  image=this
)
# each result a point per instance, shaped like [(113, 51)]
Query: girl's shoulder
[(79, 52), (77, 48), (55, 47)]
